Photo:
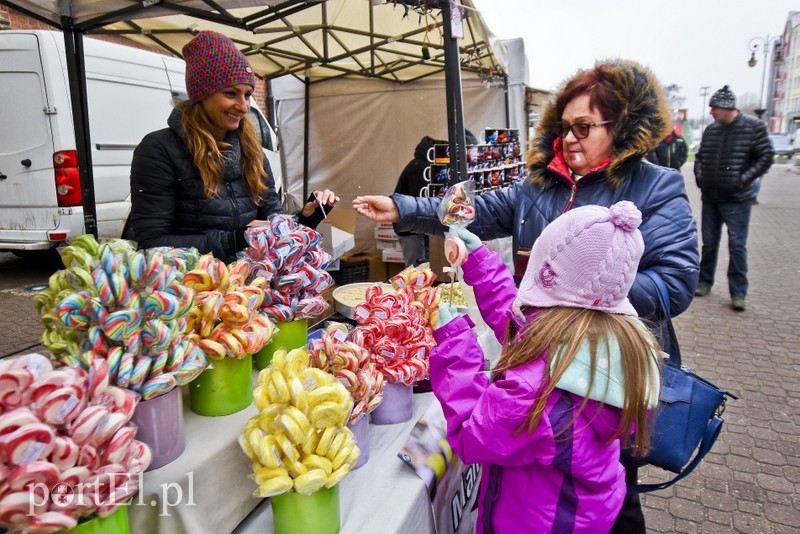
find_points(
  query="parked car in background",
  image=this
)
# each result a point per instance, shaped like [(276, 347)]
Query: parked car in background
[(781, 145)]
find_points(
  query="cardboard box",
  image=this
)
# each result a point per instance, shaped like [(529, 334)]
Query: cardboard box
[(388, 244), (438, 261), (385, 233), (338, 232), (392, 256)]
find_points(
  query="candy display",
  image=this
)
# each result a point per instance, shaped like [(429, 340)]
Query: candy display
[(351, 364), (126, 306), (395, 327), (67, 450), (287, 256), (224, 321), (299, 441)]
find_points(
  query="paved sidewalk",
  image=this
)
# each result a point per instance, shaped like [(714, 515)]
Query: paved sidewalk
[(751, 480)]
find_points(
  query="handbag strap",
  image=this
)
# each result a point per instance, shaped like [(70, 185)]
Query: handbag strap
[(674, 349), (709, 437)]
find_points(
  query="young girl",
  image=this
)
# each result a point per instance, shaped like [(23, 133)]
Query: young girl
[(577, 374)]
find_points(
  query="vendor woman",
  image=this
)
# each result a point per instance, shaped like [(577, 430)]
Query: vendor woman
[(203, 180)]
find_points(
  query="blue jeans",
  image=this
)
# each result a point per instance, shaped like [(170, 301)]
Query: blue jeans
[(736, 216), (757, 187)]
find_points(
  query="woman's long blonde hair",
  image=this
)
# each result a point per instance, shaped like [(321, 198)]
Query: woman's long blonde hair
[(561, 331), (207, 152)]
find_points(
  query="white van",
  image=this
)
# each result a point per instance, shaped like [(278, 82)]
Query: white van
[(129, 95)]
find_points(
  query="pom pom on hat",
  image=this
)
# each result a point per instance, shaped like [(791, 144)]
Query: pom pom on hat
[(723, 99), (586, 258), (212, 63)]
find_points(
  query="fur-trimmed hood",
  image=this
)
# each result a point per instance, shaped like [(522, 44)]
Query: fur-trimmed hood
[(645, 119)]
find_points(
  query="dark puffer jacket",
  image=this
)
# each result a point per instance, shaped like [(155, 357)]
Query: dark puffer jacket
[(731, 157), (170, 208), (524, 209)]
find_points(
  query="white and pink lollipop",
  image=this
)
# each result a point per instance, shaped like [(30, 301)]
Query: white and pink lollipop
[(455, 251)]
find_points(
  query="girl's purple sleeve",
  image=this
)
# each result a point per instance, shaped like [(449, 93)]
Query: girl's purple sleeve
[(494, 288)]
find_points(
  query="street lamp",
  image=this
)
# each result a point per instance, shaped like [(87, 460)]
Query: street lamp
[(704, 94), (764, 43)]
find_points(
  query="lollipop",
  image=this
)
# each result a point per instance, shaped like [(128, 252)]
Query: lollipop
[(456, 252)]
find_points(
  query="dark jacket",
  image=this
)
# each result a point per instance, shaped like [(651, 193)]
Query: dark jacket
[(671, 152), (731, 157), (412, 179), (170, 208), (525, 208)]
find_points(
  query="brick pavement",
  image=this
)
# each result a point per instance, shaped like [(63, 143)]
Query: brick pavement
[(749, 483)]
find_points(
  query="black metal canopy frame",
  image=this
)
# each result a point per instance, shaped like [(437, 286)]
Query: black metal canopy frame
[(312, 52)]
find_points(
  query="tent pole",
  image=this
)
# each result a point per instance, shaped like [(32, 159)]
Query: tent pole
[(306, 129), (76, 71), (455, 103), (508, 104)]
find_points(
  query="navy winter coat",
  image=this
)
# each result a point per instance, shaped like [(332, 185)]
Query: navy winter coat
[(525, 208)]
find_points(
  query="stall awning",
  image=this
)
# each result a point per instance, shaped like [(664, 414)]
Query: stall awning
[(317, 38)]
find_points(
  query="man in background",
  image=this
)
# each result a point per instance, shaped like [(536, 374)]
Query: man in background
[(734, 152)]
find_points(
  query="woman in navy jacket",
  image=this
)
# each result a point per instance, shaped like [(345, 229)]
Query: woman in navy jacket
[(589, 149)]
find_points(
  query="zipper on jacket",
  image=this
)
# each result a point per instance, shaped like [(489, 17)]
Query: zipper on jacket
[(235, 206), (573, 192)]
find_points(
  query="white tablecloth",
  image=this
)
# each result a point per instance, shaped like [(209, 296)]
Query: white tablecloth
[(207, 490)]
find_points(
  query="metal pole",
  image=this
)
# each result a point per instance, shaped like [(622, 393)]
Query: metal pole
[(704, 94), (306, 129), (455, 109), (76, 72)]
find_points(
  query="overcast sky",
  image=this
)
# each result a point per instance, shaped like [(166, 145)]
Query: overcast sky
[(691, 43)]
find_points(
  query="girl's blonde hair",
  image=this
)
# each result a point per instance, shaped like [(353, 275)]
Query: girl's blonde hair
[(561, 331), (208, 157)]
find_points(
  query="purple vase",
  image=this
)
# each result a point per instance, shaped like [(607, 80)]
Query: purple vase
[(360, 430), (160, 426), (397, 405)]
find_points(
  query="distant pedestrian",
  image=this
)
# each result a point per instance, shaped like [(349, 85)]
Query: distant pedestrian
[(671, 152), (734, 153)]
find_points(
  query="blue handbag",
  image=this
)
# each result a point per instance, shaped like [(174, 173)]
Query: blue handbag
[(689, 415)]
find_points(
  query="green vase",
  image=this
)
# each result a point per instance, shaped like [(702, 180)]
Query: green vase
[(225, 387), (116, 523), (318, 513), (290, 335)]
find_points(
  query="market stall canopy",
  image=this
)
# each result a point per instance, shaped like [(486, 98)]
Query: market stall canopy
[(316, 38)]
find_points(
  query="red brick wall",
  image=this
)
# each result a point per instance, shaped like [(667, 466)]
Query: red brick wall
[(19, 21)]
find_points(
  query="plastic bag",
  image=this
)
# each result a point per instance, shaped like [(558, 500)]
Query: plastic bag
[(457, 207)]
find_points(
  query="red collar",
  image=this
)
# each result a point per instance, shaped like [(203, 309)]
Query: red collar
[(559, 165)]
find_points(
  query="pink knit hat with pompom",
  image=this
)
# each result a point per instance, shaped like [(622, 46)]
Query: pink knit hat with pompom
[(586, 258)]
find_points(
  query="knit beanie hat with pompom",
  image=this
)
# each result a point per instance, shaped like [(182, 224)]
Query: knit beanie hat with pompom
[(212, 63), (586, 258)]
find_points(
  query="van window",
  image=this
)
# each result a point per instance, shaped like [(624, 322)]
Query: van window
[(27, 116), (262, 129)]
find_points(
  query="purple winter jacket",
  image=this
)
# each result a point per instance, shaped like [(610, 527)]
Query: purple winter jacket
[(572, 483)]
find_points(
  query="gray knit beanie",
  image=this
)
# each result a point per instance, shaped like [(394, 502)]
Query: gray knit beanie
[(723, 99)]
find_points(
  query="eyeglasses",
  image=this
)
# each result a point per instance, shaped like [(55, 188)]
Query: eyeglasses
[(580, 129)]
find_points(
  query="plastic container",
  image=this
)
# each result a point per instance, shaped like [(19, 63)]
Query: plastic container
[(160, 427), (116, 523), (318, 513), (290, 335), (360, 430), (397, 405), (225, 387)]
